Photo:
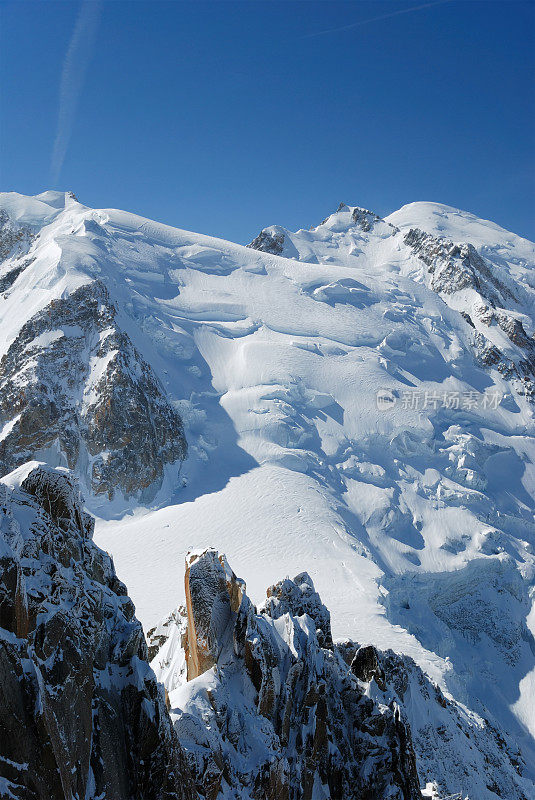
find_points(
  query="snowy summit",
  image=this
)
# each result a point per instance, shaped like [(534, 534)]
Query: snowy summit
[(352, 404)]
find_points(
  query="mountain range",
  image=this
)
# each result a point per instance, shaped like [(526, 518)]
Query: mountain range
[(347, 413)]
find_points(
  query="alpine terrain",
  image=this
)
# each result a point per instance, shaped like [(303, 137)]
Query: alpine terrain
[(311, 461)]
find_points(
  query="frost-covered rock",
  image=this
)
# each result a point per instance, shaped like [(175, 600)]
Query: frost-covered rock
[(298, 597), (278, 364), (343, 229), (270, 240), (15, 240), (367, 220), (454, 269), (271, 708), (75, 390), (245, 720), (213, 599), (457, 750), (82, 715)]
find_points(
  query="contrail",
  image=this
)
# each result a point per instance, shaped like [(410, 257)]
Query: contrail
[(376, 19), (73, 73)]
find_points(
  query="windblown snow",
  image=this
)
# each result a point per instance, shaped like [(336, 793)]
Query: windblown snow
[(357, 403)]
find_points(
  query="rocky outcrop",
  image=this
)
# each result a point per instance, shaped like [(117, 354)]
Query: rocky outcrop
[(277, 241), (256, 721), (367, 220), (445, 760), (298, 597), (213, 599), (272, 709), (8, 278), (75, 391), (82, 714), (453, 268), (15, 240), (269, 241), (520, 369), (347, 225)]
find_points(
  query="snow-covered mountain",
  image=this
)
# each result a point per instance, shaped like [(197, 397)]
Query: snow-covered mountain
[(354, 401)]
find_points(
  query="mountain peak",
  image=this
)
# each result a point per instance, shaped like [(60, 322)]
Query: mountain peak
[(123, 339)]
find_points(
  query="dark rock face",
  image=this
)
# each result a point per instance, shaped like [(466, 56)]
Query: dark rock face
[(365, 665), (443, 733), (268, 242), (7, 279), (454, 267), (82, 715), (73, 385), (15, 240), (287, 716), (299, 597), (366, 220), (521, 369)]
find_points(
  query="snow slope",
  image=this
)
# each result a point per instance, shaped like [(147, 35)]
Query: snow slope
[(301, 372)]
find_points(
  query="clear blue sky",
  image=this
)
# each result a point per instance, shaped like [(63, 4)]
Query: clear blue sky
[(226, 117)]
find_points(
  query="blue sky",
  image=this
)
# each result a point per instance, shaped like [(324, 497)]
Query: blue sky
[(226, 117)]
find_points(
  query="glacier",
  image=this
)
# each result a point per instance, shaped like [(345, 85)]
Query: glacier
[(357, 401)]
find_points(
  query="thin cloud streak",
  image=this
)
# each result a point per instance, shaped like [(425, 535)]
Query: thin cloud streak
[(376, 19), (75, 64)]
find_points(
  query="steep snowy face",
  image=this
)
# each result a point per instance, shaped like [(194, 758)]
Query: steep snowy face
[(488, 280), (74, 388), (356, 404), (82, 714), (272, 712), (339, 237), (484, 272)]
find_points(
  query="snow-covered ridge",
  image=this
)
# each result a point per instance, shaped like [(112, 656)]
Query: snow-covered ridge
[(271, 708), (75, 389), (345, 415), (274, 672)]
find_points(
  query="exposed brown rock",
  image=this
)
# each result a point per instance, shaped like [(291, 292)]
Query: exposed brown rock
[(283, 714), (82, 714), (213, 598)]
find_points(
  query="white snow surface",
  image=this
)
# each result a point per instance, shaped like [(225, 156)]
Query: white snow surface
[(417, 526)]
